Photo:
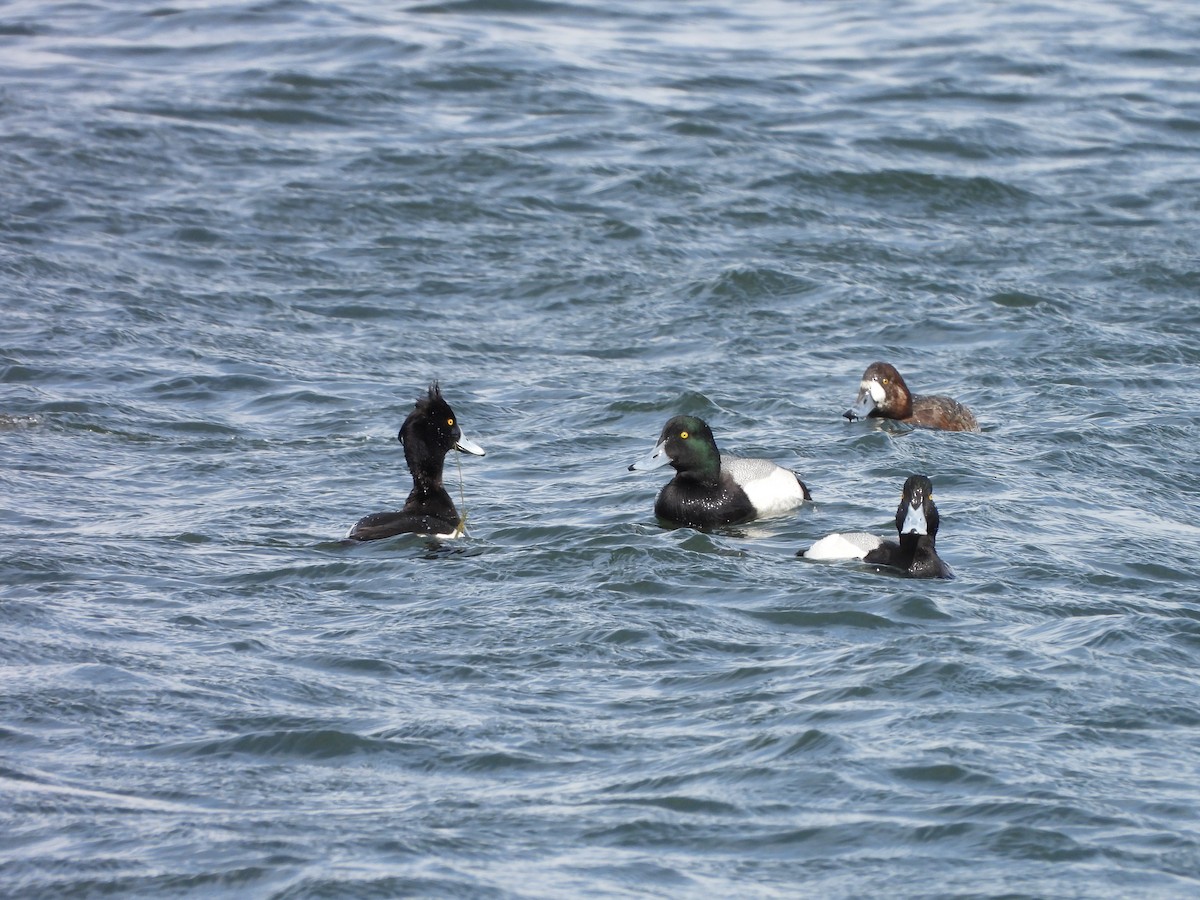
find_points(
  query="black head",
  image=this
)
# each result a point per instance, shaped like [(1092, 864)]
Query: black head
[(881, 393), (690, 448), (431, 429), (431, 424)]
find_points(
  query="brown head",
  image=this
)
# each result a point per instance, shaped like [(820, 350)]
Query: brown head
[(882, 393)]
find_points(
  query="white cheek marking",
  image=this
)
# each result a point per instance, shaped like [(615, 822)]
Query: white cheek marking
[(877, 392)]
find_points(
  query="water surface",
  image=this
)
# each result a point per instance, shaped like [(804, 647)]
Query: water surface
[(238, 240)]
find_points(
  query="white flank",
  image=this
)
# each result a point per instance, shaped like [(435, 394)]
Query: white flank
[(772, 489), (848, 545)]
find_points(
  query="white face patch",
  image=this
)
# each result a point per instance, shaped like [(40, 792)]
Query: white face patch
[(914, 521), (876, 390)]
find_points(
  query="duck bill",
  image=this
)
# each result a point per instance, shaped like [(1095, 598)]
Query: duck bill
[(466, 445), (862, 406), (914, 519), (658, 457)]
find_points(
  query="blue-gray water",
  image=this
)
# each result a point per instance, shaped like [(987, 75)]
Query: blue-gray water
[(237, 240)]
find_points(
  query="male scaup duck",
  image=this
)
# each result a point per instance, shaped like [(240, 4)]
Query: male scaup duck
[(916, 525), (711, 489), (883, 394), (428, 434)]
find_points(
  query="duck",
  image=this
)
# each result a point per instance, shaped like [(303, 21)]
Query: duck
[(883, 394), (427, 435), (916, 525), (712, 489)]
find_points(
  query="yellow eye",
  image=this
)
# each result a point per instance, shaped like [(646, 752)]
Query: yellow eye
[(885, 381), (684, 435), (450, 421)]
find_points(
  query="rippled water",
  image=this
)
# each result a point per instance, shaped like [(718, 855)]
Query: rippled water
[(237, 241)]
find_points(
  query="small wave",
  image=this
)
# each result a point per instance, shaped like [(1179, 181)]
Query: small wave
[(512, 8), (741, 283), (900, 189), (18, 422), (806, 619), (318, 744)]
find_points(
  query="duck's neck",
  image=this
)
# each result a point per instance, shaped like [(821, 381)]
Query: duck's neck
[(703, 468), (426, 474), (914, 547)]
